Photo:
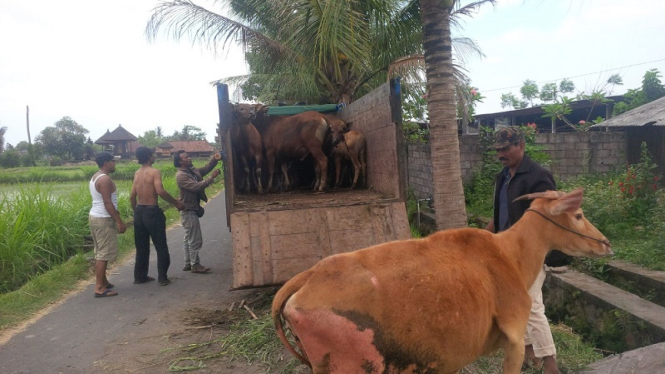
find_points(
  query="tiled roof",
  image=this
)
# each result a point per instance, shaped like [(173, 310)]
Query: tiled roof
[(193, 146)]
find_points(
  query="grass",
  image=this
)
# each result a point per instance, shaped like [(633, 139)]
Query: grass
[(255, 342), (41, 241)]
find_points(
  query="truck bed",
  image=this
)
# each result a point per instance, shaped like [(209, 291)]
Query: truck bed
[(306, 199)]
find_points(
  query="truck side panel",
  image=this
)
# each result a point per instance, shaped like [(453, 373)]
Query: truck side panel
[(271, 247)]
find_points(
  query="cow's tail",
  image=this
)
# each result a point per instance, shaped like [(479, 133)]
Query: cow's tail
[(278, 303)]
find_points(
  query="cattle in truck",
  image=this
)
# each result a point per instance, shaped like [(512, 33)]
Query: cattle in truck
[(247, 145), (297, 137), (352, 150)]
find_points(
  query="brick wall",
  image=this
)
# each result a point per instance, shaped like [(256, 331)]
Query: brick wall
[(571, 154)]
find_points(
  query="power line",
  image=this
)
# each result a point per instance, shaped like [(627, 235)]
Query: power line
[(578, 76)]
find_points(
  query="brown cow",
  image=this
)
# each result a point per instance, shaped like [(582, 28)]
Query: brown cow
[(431, 305), (247, 143), (296, 137), (353, 148)]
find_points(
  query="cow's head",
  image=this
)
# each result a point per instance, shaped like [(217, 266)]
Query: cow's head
[(243, 113), (337, 129)]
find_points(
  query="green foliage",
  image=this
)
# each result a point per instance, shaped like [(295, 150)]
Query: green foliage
[(510, 100), (629, 208), (188, 133), (10, 159), (549, 92), (151, 138), (414, 110), (529, 90), (65, 139), (566, 86), (651, 89)]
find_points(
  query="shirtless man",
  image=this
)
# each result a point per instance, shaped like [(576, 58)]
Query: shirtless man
[(149, 219)]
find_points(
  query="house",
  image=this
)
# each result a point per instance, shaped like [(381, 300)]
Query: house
[(197, 148), (119, 142), (645, 123), (585, 110)]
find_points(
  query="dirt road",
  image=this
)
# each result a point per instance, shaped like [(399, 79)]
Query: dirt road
[(137, 331)]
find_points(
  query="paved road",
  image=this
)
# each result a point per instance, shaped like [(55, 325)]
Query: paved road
[(86, 335)]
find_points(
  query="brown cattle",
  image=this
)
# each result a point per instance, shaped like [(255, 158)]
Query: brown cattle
[(431, 305), (353, 148), (247, 144), (295, 137)]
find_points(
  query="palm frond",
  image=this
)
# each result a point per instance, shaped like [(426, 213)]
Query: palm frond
[(181, 18)]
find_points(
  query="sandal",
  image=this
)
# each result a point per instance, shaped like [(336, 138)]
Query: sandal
[(106, 293)]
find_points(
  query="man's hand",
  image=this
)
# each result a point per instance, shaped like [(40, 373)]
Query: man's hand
[(215, 173), (121, 227), (179, 205)]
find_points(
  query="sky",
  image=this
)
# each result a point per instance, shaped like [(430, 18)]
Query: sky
[(91, 61)]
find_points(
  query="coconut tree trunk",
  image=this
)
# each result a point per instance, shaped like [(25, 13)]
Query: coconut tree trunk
[(444, 142)]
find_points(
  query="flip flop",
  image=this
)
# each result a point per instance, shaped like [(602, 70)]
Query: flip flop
[(148, 279), (106, 293)]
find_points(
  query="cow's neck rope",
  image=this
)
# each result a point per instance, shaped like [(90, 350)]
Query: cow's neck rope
[(604, 241)]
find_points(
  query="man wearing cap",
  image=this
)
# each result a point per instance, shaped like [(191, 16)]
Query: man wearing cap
[(521, 176)]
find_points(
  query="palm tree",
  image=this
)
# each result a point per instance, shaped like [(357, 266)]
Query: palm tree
[(444, 144), (334, 50), (328, 51)]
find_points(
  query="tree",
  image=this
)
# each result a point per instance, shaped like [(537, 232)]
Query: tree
[(510, 100), (65, 139), (448, 194), (652, 86), (152, 138), (3, 130), (188, 133), (319, 52), (529, 90), (566, 86)]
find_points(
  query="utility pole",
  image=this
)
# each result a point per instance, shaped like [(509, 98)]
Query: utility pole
[(27, 125)]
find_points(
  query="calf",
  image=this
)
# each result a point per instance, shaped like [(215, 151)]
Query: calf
[(431, 305), (247, 144), (296, 137), (353, 148)]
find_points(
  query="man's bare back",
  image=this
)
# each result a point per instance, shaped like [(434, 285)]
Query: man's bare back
[(147, 186), (147, 181)]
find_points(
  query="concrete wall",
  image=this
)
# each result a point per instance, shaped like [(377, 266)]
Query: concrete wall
[(572, 155), (372, 115)]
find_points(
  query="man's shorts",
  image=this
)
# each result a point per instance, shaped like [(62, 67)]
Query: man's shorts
[(105, 236)]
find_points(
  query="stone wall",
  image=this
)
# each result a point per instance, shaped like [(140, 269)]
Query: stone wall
[(571, 154)]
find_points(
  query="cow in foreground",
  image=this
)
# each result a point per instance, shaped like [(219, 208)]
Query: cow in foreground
[(296, 137), (431, 305), (247, 144), (353, 148)]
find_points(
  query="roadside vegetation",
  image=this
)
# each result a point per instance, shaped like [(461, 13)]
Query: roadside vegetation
[(43, 230)]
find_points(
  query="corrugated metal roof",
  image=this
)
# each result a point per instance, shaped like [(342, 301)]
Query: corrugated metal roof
[(652, 114)]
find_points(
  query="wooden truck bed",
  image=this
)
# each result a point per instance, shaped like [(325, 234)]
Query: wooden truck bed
[(274, 239)]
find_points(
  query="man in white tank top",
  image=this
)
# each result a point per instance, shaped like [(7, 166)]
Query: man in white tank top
[(105, 222)]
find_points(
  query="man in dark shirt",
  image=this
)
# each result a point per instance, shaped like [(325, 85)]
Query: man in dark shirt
[(192, 190), (521, 176)]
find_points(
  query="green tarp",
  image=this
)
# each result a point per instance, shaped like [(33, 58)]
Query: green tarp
[(295, 109)]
